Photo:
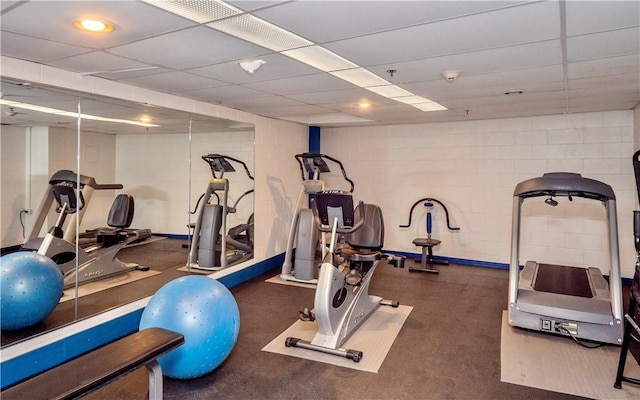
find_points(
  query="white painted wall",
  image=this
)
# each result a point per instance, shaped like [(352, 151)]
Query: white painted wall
[(160, 184), (473, 168), (276, 177), (31, 156)]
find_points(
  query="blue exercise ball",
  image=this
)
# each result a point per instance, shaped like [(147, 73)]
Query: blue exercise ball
[(31, 288), (205, 312)]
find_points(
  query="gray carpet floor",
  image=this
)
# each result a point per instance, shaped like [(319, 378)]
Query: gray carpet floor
[(449, 347)]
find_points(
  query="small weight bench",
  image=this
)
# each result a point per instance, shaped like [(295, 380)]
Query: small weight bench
[(92, 370)]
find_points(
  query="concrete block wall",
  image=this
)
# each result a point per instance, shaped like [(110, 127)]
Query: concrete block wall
[(473, 168)]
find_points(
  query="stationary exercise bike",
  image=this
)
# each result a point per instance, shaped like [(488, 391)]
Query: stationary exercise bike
[(427, 260), (342, 301), (97, 261), (304, 233), (211, 250)]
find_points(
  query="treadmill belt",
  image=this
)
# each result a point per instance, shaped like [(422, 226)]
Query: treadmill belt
[(572, 281)]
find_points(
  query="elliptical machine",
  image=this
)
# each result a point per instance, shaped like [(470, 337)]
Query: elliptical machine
[(210, 250), (94, 262), (304, 229), (342, 301)]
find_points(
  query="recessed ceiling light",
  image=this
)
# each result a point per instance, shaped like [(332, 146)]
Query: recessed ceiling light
[(92, 25), (364, 105)]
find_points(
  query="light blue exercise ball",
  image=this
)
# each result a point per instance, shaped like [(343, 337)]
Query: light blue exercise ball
[(205, 312), (31, 288)]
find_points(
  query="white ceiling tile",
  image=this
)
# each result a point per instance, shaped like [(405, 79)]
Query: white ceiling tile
[(511, 26), (345, 96), (475, 63), (38, 50), (261, 103), (176, 50), (301, 84), (277, 67), (605, 66), (606, 44), (490, 84), (95, 61), (596, 16), (53, 20), (223, 94), (171, 82), (517, 47), (630, 81), (349, 19)]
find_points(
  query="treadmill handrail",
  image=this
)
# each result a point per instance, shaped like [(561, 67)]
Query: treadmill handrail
[(66, 175), (564, 184)]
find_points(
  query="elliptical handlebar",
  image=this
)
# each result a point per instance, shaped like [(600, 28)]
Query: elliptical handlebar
[(429, 199), (219, 163), (315, 156)]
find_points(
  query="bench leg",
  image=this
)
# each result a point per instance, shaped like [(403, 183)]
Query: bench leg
[(155, 380)]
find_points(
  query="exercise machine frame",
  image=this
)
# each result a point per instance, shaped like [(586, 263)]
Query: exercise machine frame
[(303, 231), (211, 224), (342, 303), (427, 244), (597, 318), (95, 262)]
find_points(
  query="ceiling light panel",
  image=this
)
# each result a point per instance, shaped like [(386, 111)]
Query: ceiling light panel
[(320, 58), (72, 114), (429, 106), (411, 99), (200, 11), (360, 77), (389, 91), (260, 32)]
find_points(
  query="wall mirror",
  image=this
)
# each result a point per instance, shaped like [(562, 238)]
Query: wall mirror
[(153, 154)]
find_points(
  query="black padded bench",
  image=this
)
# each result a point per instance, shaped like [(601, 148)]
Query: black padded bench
[(92, 370)]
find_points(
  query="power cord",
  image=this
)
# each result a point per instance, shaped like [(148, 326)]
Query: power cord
[(578, 341), (22, 222)]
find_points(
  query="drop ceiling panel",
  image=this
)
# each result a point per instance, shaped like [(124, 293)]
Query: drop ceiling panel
[(603, 67), (53, 20), (345, 18), (511, 26), (630, 81), (249, 5), (171, 82), (606, 44), (345, 96), (277, 67), (499, 46), (489, 83), (475, 63), (189, 48), (601, 16), (287, 111), (38, 50), (96, 61), (223, 94), (301, 84), (262, 103)]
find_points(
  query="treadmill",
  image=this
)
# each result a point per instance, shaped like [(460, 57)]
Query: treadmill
[(564, 300)]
